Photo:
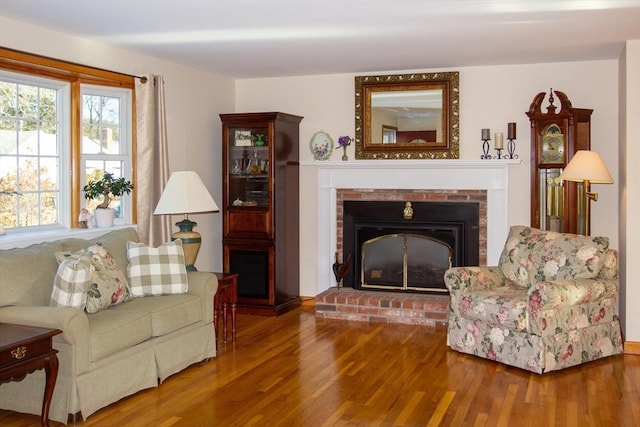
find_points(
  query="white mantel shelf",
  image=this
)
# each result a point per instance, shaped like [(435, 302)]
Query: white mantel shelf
[(490, 175), (412, 164)]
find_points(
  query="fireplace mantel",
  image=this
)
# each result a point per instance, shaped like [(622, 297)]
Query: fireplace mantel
[(489, 175)]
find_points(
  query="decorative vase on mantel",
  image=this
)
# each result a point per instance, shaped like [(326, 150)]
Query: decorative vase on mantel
[(344, 142)]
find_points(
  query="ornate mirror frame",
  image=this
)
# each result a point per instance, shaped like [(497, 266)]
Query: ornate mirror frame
[(369, 144)]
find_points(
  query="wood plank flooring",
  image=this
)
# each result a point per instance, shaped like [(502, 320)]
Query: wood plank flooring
[(296, 370)]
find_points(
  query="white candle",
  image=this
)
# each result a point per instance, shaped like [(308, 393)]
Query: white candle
[(499, 140)]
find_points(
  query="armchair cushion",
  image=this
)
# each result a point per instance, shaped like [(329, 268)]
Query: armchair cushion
[(505, 306), (531, 256)]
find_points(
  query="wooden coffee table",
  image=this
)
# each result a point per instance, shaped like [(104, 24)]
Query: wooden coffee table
[(25, 349), (226, 295)]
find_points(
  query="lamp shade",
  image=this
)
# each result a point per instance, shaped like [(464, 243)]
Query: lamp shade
[(587, 165), (185, 193)]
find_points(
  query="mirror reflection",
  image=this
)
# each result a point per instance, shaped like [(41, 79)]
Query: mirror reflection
[(411, 116), (407, 117)]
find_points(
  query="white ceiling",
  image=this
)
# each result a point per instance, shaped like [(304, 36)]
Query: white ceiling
[(268, 38)]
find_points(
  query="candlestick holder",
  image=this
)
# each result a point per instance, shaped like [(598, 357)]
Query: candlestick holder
[(511, 148), (499, 150), (485, 149)]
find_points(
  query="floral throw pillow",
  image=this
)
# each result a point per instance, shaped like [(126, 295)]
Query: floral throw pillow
[(157, 271), (108, 283), (72, 282)]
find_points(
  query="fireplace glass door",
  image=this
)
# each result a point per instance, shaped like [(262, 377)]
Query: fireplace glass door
[(405, 262)]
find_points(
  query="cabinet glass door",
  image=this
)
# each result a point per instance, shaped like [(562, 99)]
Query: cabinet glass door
[(248, 168)]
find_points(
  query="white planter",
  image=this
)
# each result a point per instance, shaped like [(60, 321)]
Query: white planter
[(104, 217)]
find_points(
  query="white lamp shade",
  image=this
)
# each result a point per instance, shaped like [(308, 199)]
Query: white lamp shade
[(185, 193), (587, 165)]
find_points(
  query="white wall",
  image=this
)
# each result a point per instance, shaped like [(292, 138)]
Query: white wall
[(193, 101), (629, 178), (490, 97)]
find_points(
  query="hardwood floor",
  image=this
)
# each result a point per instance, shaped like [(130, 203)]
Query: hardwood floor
[(296, 370)]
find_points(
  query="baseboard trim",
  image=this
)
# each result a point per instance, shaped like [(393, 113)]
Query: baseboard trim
[(632, 347)]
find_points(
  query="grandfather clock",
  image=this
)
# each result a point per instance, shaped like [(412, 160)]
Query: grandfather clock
[(555, 138)]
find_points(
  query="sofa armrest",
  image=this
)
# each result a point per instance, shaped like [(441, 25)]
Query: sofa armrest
[(73, 323), (204, 285), (466, 279)]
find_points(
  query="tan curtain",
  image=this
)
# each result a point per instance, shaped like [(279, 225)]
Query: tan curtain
[(152, 159)]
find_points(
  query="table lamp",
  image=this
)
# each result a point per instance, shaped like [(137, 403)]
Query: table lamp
[(185, 193), (586, 167)]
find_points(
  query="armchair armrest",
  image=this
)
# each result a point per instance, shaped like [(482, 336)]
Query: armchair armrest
[(571, 304), (204, 285), (566, 293), (465, 279)]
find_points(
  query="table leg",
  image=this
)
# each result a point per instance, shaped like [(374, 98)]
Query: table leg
[(216, 312), (233, 321), (224, 313), (51, 371)]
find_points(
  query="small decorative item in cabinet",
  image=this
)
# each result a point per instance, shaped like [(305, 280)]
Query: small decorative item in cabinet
[(260, 188)]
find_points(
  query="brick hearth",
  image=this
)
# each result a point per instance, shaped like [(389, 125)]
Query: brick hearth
[(384, 307)]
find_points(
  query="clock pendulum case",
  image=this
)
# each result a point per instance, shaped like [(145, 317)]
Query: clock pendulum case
[(555, 138)]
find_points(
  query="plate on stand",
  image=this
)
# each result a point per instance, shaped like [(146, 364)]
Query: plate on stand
[(321, 145)]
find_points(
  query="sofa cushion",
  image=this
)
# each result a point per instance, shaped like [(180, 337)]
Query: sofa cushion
[(117, 329), (71, 283), (504, 306), (531, 256), (169, 312), (108, 283), (22, 283), (156, 271)]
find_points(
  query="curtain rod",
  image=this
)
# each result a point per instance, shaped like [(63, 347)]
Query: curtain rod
[(19, 56)]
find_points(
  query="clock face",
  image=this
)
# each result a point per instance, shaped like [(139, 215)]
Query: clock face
[(552, 148)]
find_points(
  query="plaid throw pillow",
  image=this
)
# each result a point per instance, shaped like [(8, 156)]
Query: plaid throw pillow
[(71, 283), (108, 283), (156, 271)]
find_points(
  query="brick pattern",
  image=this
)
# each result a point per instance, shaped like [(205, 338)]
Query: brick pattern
[(479, 196), (382, 307)]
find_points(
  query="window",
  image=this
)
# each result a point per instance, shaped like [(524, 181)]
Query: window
[(61, 124)]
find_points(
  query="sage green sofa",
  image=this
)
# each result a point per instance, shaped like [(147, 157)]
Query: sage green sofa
[(110, 354)]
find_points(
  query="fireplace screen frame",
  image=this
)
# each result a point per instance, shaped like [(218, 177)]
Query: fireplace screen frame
[(405, 263), (459, 219)]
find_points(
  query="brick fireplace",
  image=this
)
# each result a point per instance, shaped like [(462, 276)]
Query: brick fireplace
[(484, 182)]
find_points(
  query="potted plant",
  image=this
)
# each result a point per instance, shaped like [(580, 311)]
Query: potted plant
[(108, 188)]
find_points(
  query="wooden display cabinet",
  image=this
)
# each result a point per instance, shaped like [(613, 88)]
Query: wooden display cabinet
[(260, 167), (555, 138)]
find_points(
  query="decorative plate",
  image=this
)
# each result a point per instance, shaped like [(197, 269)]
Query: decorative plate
[(321, 145)]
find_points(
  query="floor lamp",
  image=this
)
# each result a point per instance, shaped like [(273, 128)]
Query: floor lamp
[(185, 193), (586, 167)]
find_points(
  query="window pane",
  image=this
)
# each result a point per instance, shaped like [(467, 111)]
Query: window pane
[(100, 124), (95, 170), (29, 162)]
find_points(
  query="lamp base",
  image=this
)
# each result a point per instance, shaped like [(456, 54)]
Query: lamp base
[(190, 242)]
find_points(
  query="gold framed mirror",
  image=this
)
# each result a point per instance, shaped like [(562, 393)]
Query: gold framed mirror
[(407, 116)]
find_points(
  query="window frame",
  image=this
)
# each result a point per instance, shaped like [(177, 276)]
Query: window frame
[(75, 75)]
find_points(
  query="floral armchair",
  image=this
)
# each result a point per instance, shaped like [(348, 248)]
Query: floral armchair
[(551, 303)]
